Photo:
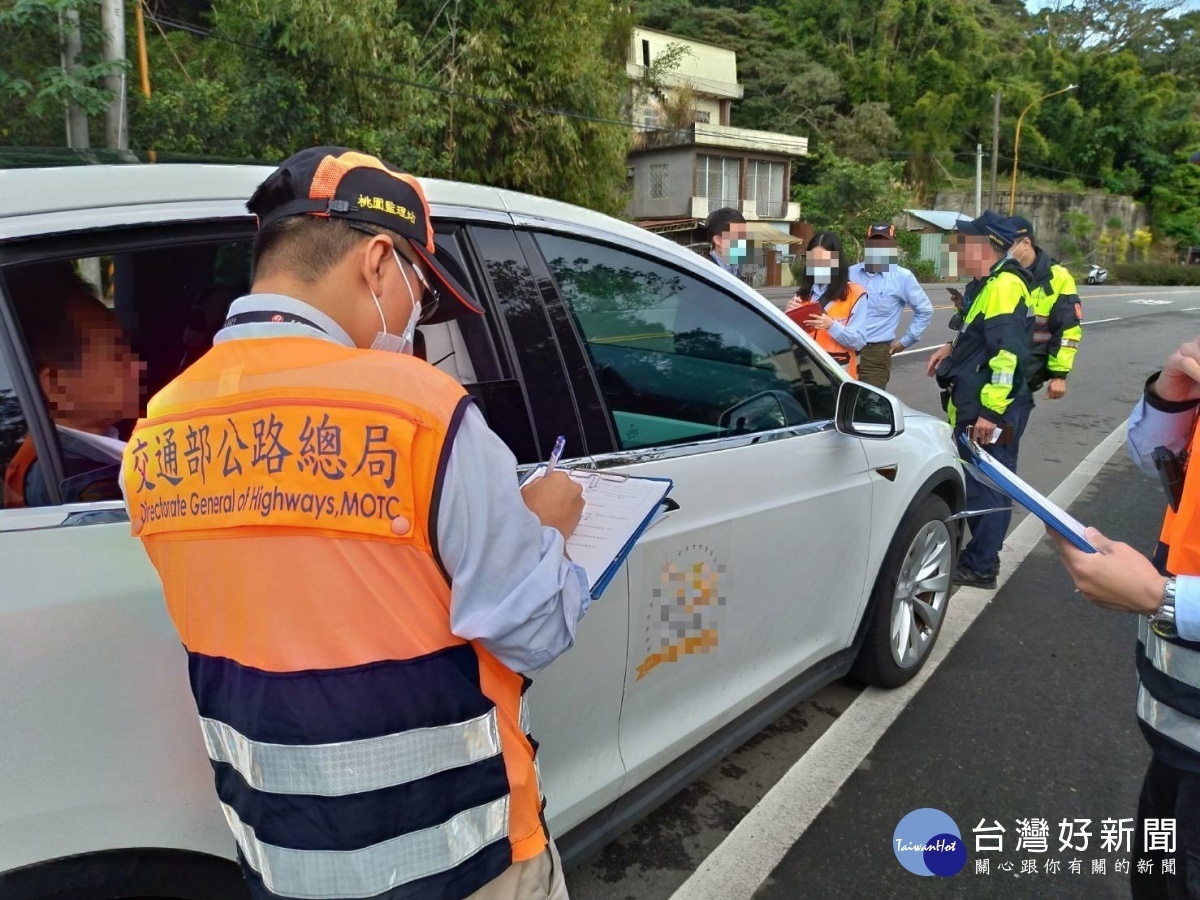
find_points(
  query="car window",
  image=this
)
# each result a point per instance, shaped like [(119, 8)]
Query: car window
[(105, 333), (676, 358), (21, 476)]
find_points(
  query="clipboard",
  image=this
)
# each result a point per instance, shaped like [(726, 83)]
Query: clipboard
[(996, 475), (618, 520)]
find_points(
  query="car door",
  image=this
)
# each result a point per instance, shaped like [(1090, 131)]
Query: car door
[(100, 745), (576, 702), (759, 574)]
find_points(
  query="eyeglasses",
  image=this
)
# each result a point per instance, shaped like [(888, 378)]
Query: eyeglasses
[(428, 307), (431, 299)]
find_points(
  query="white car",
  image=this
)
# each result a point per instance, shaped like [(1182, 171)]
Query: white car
[(810, 539)]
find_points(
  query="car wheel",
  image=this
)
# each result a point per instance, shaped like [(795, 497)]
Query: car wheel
[(910, 597)]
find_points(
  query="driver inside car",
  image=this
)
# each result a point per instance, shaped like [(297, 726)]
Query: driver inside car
[(91, 379)]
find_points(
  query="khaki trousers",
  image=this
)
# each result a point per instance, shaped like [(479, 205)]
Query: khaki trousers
[(875, 365), (540, 878)]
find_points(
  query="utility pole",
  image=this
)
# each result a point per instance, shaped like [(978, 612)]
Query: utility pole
[(77, 123), (112, 21), (978, 180), (995, 151)]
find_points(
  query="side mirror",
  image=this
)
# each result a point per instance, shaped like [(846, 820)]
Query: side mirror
[(866, 412)]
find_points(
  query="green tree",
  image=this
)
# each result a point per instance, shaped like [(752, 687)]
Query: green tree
[(1142, 239), (448, 89), (848, 196), (35, 86)]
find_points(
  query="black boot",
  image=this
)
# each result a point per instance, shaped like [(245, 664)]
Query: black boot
[(970, 578)]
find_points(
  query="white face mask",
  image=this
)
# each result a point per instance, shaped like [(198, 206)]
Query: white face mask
[(820, 274), (397, 343)]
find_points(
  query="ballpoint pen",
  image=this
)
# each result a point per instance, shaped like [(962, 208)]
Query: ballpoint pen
[(556, 454)]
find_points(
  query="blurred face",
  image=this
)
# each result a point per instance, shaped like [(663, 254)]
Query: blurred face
[(731, 243), (821, 264), (976, 257), (103, 386), (880, 253)]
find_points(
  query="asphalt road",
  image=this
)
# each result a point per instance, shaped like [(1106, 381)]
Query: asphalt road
[(1030, 714)]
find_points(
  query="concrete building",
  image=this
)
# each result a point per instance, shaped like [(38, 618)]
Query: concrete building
[(688, 161)]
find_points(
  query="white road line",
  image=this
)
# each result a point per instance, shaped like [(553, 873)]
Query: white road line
[(931, 349), (1192, 309), (744, 860)]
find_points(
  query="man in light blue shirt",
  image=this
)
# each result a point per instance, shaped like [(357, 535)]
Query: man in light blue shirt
[(890, 287)]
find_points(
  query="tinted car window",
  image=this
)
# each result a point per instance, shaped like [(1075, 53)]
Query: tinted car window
[(677, 359), (16, 447)]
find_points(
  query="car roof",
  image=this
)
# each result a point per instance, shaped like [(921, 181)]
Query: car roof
[(75, 189), (44, 201)]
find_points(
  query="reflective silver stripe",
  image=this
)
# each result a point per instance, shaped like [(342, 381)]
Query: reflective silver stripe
[(1174, 661), (334, 770), (333, 874), (1002, 378), (1041, 337), (1167, 721), (1067, 342), (525, 715), (1041, 320)]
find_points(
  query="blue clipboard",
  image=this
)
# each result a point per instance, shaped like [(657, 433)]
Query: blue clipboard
[(662, 507), (996, 475)]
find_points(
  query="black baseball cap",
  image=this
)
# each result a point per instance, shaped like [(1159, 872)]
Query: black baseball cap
[(882, 230), (338, 183), (1022, 227), (993, 226)]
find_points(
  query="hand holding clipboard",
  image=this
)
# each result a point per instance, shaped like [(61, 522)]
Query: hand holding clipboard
[(991, 472)]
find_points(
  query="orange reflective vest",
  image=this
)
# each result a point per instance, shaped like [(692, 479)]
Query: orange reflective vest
[(16, 473), (1180, 536), (286, 490), (840, 310), (1166, 704)]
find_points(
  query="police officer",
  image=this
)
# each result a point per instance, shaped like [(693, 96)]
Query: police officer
[(1164, 427), (358, 582), (983, 374), (1058, 323)]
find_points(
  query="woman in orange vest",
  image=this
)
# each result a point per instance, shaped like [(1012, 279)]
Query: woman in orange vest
[(839, 329)]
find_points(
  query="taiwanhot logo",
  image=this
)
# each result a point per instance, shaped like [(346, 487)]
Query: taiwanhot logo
[(928, 842)]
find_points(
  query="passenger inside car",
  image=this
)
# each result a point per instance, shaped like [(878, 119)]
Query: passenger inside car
[(91, 378)]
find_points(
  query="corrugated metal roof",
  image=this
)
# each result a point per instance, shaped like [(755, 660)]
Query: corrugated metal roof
[(939, 218)]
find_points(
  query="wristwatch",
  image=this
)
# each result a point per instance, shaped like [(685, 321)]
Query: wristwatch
[(1162, 622)]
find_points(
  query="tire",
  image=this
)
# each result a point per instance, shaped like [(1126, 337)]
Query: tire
[(1091, 280), (924, 543)]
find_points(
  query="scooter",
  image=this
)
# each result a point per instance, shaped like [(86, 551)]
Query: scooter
[(1097, 275)]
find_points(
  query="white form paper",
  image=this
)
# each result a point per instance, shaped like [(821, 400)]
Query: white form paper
[(614, 509)]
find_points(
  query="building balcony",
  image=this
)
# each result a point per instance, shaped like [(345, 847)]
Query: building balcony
[(772, 210), (724, 137)]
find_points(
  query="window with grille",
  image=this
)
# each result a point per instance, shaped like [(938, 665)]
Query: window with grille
[(764, 185), (719, 179), (659, 179)]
